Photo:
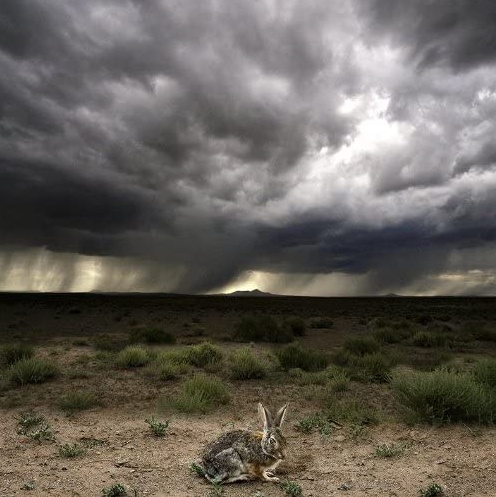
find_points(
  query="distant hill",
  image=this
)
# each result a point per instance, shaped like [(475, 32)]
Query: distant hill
[(392, 295), (249, 293)]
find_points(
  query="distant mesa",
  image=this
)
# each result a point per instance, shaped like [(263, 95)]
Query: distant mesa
[(249, 293), (392, 295)]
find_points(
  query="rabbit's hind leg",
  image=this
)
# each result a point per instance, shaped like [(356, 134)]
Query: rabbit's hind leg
[(225, 467)]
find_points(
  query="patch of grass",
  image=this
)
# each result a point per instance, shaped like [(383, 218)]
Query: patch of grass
[(373, 368), (158, 428), (443, 396), (390, 450), (333, 377), (201, 393), (245, 365), (295, 356), (321, 323), (352, 411), (12, 353), (390, 335), (319, 421), (361, 346), (105, 343), (429, 339), (204, 355), (34, 426), (32, 370), (196, 469), (72, 450), (433, 490), (168, 366), (151, 335), (115, 490), (261, 329), (291, 488), (485, 372), (133, 356), (78, 400), (295, 326)]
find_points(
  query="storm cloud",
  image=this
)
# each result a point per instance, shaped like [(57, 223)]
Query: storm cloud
[(333, 147)]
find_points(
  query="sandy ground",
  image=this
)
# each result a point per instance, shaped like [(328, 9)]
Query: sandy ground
[(121, 448), (461, 459)]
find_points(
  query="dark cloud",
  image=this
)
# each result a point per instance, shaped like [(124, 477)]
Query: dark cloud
[(187, 142), (459, 33)]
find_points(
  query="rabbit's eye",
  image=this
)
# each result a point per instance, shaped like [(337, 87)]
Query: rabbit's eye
[(272, 441)]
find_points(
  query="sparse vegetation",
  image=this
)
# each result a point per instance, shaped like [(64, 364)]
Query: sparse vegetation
[(245, 365), (201, 393), (262, 329), (151, 335), (72, 450), (34, 426), (158, 428), (433, 490), (78, 400), (295, 356), (443, 396), (295, 326), (12, 353), (485, 372), (321, 323), (390, 450), (133, 356), (115, 490), (32, 370), (361, 346), (168, 366), (291, 488), (204, 355)]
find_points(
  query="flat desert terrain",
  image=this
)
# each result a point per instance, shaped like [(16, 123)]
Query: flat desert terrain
[(82, 429)]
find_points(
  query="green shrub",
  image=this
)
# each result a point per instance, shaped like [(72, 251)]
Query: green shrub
[(373, 367), (204, 354), (78, 400), (72, 450), (361, 346), (151, 335), (115, 490), (390, 450), (429, 339), (485, 372), (158, 428), (295, 326), (388, 335), (169, 365), (12, 353), (291, 488), (261, 329), (321, 323), (442, 396), (104, 343), (132, 357), (32, 370), (201, 393), (294, 356), (245, 365), (433, 490), (34, 426), (350, 411)]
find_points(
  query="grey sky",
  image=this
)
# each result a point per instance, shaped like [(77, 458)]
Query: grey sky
[(331, 147)]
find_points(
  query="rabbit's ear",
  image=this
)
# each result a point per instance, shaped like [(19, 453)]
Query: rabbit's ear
[(281, 414), (265, 416)]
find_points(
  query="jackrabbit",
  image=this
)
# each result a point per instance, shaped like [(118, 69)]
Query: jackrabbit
[(247, 455)]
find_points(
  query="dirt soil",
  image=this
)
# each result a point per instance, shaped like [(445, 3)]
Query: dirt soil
[(121, 448)]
